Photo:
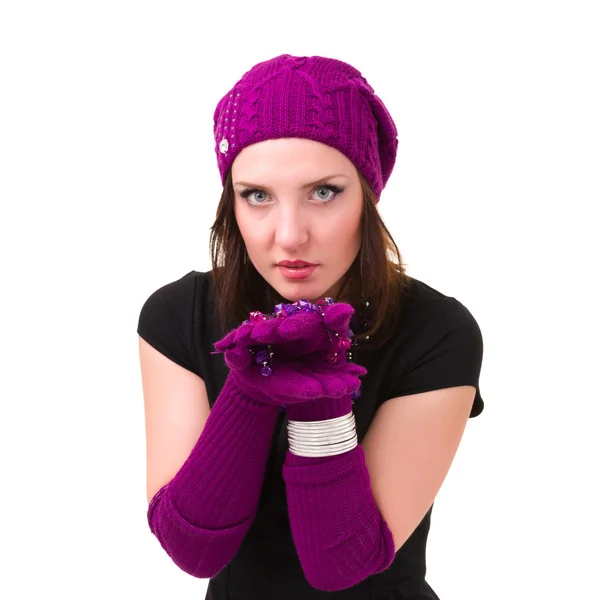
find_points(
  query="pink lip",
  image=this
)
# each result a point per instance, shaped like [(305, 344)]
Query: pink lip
[(297, 273), (294, 263)]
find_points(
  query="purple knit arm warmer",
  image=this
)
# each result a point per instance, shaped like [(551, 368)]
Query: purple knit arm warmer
[(340, 535), (202, 515)]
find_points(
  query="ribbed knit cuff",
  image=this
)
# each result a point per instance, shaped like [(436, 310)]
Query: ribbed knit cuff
[(199, 551), (321, 409), (220, 482), (340, 535)]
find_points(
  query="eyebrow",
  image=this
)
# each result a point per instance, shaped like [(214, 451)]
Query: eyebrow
[(305, 186)]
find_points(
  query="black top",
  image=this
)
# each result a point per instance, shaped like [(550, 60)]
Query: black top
[(437, 344)]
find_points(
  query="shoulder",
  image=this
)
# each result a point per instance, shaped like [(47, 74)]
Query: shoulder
[(190, 292), (173, 315), (437, 343), (181, 288), (427, 309)]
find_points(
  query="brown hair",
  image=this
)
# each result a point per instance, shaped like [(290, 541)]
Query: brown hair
[(377, 269)]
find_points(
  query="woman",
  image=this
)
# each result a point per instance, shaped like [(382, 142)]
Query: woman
[(305, 398)]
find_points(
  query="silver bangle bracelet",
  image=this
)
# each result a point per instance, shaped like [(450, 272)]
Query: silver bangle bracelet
[(330, 436), (319, 433), (347, 426), (326, 422), (322, 438)]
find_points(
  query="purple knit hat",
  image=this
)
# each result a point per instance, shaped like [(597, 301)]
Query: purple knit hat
[(322, 99)]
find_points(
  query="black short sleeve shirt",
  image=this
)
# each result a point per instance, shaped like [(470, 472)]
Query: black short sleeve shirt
[(436, 344)]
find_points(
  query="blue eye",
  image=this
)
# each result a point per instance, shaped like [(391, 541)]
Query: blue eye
[(248, 192), (328, 188), (334, 189)]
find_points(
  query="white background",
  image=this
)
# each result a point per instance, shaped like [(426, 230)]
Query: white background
[(109, 184)]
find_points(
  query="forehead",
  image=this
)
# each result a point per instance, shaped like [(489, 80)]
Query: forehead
[(289, 158)]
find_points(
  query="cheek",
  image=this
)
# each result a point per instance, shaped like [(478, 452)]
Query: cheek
[(243, 224), (252, 237), (346, 231)]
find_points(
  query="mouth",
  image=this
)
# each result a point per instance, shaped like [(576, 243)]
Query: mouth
[(296, 271), (295, 264)]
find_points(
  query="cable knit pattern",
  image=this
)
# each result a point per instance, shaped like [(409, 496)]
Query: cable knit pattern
[(318, 98)]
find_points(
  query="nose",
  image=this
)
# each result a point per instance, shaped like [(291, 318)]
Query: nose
[(291, 229)]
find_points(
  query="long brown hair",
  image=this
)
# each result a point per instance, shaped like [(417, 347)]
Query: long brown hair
[(377, 273)]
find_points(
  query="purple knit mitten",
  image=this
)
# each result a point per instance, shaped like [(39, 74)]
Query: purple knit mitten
[(202, 515), (340, 535), (299, 369)]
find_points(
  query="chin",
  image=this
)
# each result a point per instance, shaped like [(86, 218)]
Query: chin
[(312, 295), (296, 291), (290, 297)]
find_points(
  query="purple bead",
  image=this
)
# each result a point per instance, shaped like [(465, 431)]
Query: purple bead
[(261, 356), (281, 311), (266, 370), (256, 316)]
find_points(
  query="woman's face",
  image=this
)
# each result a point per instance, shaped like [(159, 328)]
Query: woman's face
[(298, 200)]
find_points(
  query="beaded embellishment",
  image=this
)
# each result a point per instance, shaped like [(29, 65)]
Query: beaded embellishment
[(338, 344)]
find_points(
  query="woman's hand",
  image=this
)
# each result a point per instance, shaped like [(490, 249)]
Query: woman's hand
[(301, 345)]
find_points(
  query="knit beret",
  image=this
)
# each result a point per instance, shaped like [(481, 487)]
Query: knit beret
[(313, 97)]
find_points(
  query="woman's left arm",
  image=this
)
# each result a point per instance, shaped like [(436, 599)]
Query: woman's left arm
[(351, 512)]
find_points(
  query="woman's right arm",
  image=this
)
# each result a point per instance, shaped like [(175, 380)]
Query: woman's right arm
[(204, 468)]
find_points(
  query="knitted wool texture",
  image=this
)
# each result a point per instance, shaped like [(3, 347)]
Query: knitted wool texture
[(318, 98), (301, 344), (202, 515), (339, 533)]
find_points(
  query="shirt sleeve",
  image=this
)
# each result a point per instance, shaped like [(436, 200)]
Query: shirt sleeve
[(166, 322), (448, 353)]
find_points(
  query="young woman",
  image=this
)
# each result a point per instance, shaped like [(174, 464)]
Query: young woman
[(305, 398)]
